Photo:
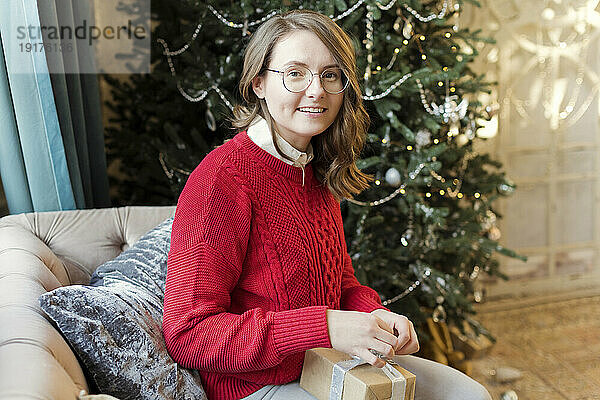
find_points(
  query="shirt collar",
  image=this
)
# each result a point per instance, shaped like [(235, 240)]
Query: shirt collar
[(260, 134)]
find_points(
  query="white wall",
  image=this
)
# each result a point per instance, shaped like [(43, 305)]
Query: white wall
[(547, 63)]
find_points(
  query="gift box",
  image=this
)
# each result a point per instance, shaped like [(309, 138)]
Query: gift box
[(330, 374), (471, 344)]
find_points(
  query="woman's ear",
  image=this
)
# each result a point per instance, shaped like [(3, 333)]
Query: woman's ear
[(258, 87)]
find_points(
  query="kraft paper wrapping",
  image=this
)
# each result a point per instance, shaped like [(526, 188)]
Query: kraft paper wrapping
[(364, 382)]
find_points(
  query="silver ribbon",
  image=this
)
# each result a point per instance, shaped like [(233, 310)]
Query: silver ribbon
[(340, 369)]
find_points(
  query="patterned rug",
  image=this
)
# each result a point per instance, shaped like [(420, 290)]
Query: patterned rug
[(556, 346)]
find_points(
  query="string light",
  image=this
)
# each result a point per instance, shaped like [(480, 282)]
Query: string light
[(188, 97), (457, 182), (369, 45), (169, 174), (185, 46), (409, 289), (429, 17), (389, 197), (387, 7), (348, 11), (393, 60), (389, 90), (245, 24)]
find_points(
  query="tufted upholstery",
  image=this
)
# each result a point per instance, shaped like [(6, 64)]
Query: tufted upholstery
[(38, 253)]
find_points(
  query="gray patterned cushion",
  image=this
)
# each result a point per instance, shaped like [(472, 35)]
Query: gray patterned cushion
[(115, 325)]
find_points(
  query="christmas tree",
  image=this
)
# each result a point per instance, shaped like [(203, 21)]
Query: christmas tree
[(425, 230)]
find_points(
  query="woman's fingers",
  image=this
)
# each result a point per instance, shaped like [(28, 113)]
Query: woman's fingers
[(403, 326), (383, 325), (414, 335), (371, 358), (412, 345), (385, 349), (405, 343), (386, 334)]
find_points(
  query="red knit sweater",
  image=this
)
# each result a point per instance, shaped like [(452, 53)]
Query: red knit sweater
[(256, 259)]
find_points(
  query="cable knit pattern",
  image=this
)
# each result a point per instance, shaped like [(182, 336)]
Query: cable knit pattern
[(256, 259)]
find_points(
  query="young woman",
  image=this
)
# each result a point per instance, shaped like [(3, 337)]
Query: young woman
[(258, 270)]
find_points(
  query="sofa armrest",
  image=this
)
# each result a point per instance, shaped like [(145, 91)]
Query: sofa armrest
[(40, 252)]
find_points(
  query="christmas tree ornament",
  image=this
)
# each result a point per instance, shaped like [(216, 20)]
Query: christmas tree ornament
[(489, 220), (398, 25), (506, 188), (450, 110), (389, 197), (423, 138), (475, 273), (393, 60), (506, 374), (245, 30), (462, 139), (471, 129), (488, 128), (211, 123), (509, 395), (406, 237), (494, 233), (386, 139), (439, 314), (393, 177), (407, 31)]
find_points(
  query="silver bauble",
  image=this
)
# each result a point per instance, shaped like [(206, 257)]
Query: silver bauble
[(393, 177), (506, 188), (509, 395)]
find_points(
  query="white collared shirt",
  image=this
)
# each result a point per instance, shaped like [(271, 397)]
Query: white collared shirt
[(261, 135)]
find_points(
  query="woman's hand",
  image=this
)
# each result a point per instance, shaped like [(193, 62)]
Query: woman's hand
[(355, 333), (407, 336)]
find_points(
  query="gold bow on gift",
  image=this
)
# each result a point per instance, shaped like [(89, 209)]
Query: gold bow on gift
[(441, 349)]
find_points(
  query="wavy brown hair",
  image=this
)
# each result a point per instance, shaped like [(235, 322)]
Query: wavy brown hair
[(338, 147)]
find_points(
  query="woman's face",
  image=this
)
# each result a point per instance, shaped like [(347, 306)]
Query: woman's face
[(298, 127)]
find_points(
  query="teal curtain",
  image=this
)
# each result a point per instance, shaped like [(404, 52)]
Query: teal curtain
[(51, 136)]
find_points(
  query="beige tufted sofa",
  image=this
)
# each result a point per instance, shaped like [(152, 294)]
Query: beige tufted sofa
[(38, 253)]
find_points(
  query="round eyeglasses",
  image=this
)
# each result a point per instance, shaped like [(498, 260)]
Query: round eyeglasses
[(297, 79)]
